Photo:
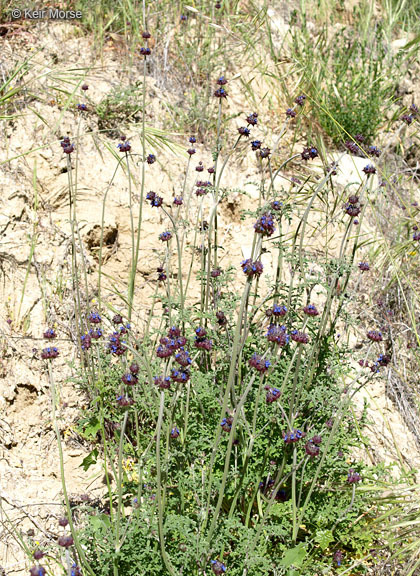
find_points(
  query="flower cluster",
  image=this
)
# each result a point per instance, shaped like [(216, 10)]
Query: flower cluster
[(259, 363), (278, 310), (312, 446), (201, 342), (272, 394), (221, 92), (278, 334), (353, 206), (155, 200), (265, 225), (299, 337), (66, 145), (353, 477), (374, 335), (293, 436), (309, 153), (252, 267), (311, 310), (49, 353)]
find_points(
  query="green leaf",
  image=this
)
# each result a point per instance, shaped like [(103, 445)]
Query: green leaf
[(294, 556), (89, 460), (324, 538)]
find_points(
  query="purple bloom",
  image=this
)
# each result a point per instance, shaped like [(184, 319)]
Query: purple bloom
[(178, 201), (134, 368), (290, 113), (299, 337), (265, 152), (191, 151), (278, 335), (94, 318), (129, 379), (180, 376), (375, 336), (50, 334), (244, 131), (162, 382), (252, 119), (183, 358), (37, 570), (276, 205), (226, 424), (272, 394), (310, 310), (338, 557), (311, 449), (65, 541), (175, 432), (407, 118), (259, 363), (165, 236), (215, 273), (146, 34), (374, 151), (300, 100), (353, 477), (49, 353), (221, 318), (221, 81), (82, 107), (293, 436), (145, 51), (256, 144), (369, 169), (265, 225), (220, 93), (124, 401), (151, 159), (85, 87), (218, 567), (192, 140), (252, 268), (124, 146)]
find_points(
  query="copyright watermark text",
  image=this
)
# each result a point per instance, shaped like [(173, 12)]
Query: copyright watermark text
[(46, 14)]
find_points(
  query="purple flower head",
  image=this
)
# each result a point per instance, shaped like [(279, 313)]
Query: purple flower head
[(124, 146), (221, 318), (353, 477), (220, 93), (265, 152), (180, 376), (369, 169), (407, 118), (165, 236), (309, 153), (183, 17), (65, 541), (364, 266), (252, 267), (201, 191), (203, 344), (75, 570), (161, 275), (338, 557), (414, 109), (151, 159), (134, 368), (50, 334), (216, 272), (95, 334), (129, 379), (157, 201), (317, 439), (178, 201), (416, 236), (218, 567), (226, 424), (221, 81), (68, 149), (200, 167), (146, 35), (352, 210), (191, 151), (278, 335), (276, 205), (374, 151), (300, 100), (183, 358), (256, 361), (124, 401), (210, 170), (311, 449), (352, 147), (299, 337), (272, 394), (374, 335), (293, 436), (94, 318), (192, 139), (151, 195), (244, 131), (252, 119), (279, 310), (115, 345), (49, 353), (82, 107), (63, 522), (290, 113), (310, 310), (359, 138), (145, 51), (85, 87), (256, 144), (384, 360), (200, 332), (175, 432), (38, 554), (164, 352), (265, 225), (174, 332), (162, 382), (37, 570)]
